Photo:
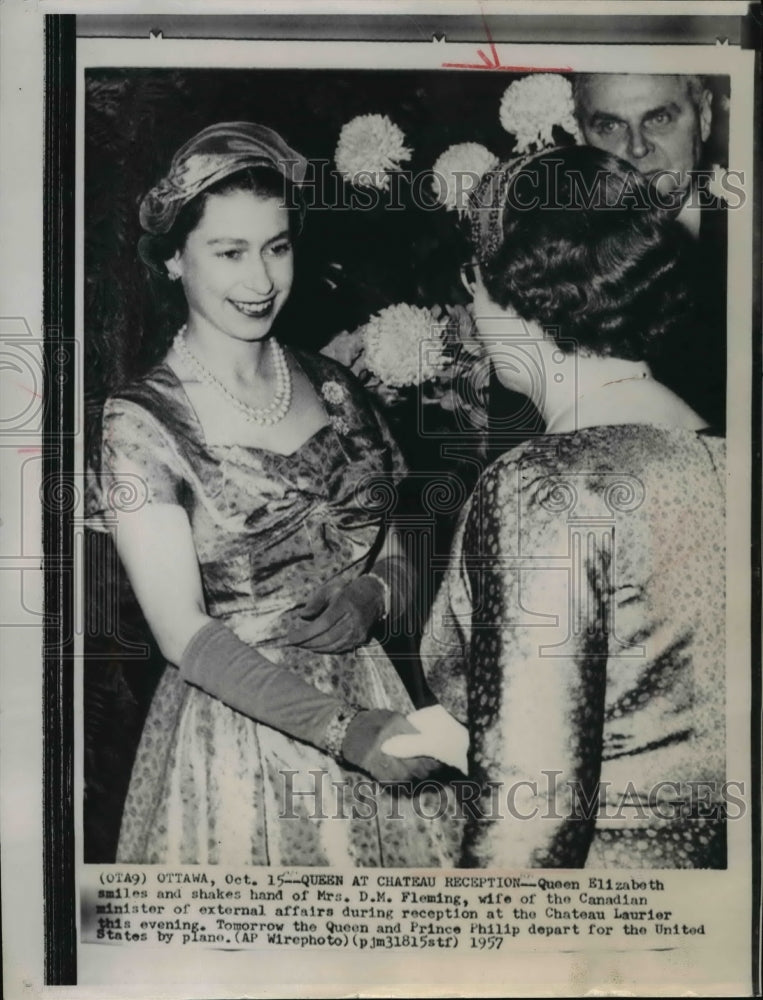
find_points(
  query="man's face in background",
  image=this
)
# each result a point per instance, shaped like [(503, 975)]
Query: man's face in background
[(656, 123)]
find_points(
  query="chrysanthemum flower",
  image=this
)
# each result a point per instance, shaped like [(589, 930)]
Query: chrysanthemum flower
[(405, 346), (369, 147), (458, 171), (531, 106)]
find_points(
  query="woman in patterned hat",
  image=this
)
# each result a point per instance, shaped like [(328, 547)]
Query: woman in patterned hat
[(256, 549), (579, 632)]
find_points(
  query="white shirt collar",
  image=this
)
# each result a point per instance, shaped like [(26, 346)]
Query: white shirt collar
[(691, 216)]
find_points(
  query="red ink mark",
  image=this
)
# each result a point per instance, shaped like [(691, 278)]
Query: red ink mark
[(494, 61), (27, 389), (29, 451)]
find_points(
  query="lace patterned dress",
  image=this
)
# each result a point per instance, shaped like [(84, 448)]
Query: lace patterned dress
[(580, 634), (210, 785)]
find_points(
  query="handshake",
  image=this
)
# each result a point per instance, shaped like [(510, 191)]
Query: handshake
[(387, 745), (394, 748)]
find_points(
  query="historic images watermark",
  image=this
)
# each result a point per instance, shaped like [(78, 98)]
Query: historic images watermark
[(324, 189), (315, 795)]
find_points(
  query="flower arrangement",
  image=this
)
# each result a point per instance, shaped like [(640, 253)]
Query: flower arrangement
[(404, 346), (533, 105), (369, 147), (464, 161), (405, 350)]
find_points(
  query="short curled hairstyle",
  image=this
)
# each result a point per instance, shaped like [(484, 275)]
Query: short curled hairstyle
[(584, 249), (167, 306), (261, 181)]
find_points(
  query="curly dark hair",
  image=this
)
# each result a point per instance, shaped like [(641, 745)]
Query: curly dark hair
[(585, 250)]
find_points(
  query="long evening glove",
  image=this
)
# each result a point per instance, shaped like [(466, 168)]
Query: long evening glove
[(340, 617), (218, 662)]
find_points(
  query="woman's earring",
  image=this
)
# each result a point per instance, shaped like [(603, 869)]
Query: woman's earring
[(173, 275)]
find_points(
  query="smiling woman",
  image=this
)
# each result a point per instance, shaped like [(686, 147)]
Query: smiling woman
[(261, 565), (251, 272), (236, 269), (236, 252)]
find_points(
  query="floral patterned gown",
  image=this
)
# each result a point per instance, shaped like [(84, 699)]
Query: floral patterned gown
[(209, 785), (580, 634)]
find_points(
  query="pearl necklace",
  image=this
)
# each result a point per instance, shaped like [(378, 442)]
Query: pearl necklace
[(265, 415)]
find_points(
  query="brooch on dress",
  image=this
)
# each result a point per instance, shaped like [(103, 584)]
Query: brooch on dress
[(339, 424), (333, 392)]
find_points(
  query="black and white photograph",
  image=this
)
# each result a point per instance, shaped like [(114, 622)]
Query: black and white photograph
[(410, 483), (552, 256)]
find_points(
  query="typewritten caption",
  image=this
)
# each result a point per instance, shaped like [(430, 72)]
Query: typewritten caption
[(267, 908)]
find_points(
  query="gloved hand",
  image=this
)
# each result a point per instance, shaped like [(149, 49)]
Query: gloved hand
[(436, 734), (339, 617), (362, 743)]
